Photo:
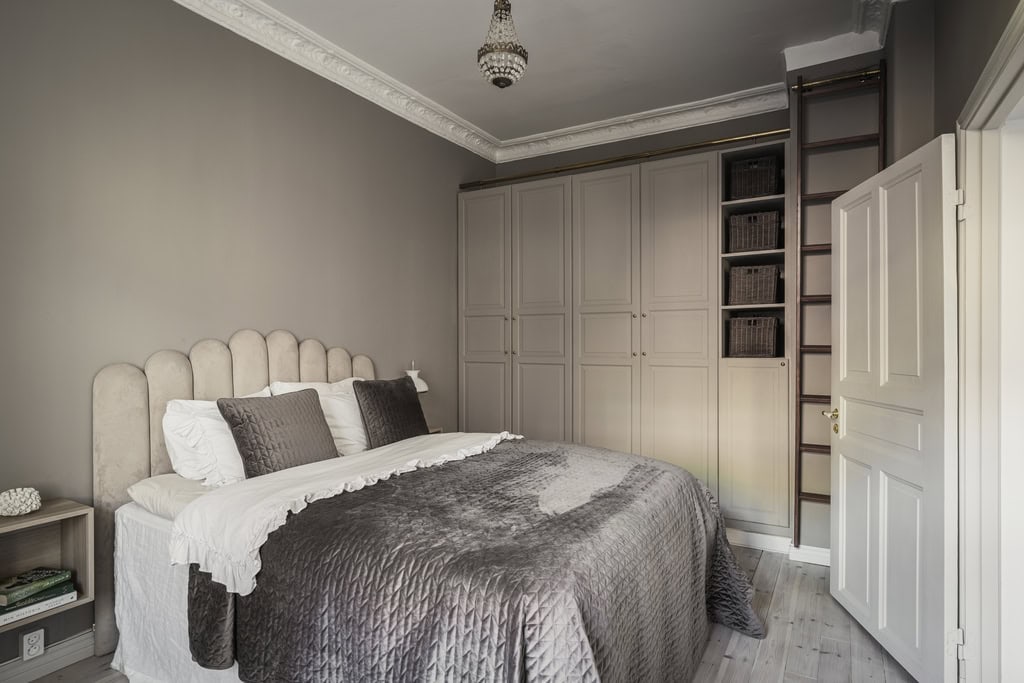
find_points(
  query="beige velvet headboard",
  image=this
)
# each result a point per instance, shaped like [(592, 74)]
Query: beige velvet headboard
[(128, 405)]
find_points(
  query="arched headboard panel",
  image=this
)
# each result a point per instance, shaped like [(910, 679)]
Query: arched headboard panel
[(128, 404)]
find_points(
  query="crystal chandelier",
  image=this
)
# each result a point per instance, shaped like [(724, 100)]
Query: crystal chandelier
[(502, 59)]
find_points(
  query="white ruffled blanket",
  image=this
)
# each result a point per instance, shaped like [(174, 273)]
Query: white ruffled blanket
[(223, 530)]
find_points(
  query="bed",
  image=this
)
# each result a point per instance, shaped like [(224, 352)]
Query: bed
[(441, 557)]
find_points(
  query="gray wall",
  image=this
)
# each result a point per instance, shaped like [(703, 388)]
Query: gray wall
[(910, 55), (163, 180), (966, 33)]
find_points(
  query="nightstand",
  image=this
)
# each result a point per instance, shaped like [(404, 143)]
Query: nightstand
[(58, 535)]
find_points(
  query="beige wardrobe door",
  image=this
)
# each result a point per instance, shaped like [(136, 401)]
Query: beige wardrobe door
[(753, 454), (678, 294), (485, 301), (541, 309), (606, 308)]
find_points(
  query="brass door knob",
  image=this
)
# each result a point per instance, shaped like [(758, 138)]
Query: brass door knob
[(834, 415)]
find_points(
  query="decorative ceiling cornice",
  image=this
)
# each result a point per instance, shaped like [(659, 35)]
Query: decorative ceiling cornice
[(736, 105), (873, 15), (265, 26)]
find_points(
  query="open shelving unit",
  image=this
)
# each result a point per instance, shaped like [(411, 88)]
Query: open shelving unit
[(773, 256), (58, 535)]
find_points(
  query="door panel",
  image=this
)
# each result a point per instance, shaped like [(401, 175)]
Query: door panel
[(605, 405), (680, 417), (680, 335), (605, 219), (678, 292), (753, 454), (856, 237), (485, 301), (853, 568), (541, 336), (541, 309), (606, 308), (483, 335), (894, 484), (486, 386), (899, 588), (540, 409), (484, 252), (900, 286)]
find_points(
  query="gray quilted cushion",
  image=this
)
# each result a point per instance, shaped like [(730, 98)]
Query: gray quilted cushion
[(391, 410), (279, 432)]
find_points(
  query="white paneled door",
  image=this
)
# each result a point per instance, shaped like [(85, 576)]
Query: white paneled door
[(606, 308), (894, 441)]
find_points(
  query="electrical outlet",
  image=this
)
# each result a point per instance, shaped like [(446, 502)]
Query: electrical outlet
[(32, 645)]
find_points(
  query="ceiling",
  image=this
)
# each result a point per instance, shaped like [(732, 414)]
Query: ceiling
[(590, 60)]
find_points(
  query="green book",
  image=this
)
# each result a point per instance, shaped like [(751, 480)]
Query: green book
[(51, 592), (15, 588)]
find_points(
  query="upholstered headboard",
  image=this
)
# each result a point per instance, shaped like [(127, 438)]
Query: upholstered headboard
[(128, 405)]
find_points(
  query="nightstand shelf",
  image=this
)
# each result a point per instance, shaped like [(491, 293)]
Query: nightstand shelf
[(59, 535)]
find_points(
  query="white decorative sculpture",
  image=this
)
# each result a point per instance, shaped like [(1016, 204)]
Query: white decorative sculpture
[(19, 502)]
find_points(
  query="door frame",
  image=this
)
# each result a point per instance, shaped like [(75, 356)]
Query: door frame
[(988, 368)]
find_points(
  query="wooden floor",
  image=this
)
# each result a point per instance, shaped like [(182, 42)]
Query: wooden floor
[(810, 637)]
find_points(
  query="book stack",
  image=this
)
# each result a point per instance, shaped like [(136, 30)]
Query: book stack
[(34, 592)]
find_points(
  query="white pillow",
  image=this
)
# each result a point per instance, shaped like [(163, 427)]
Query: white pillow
[(166, 495), (341, 411), (200, 444)]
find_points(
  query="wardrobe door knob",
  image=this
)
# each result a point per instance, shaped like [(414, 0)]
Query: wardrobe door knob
[(644, 353), (634, 354), (634, 315)]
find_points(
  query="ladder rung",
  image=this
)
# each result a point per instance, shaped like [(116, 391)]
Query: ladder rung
[(822, 196), (816, 448), (816, 398), (816, 299), (815, 497), (816, 348), (823, 90), (816, 249), (871, 138)]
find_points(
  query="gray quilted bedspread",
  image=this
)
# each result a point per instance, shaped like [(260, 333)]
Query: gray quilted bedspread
[(533, 562)]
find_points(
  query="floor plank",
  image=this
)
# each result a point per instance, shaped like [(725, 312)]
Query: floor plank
[(894, 673), (802, 658), (834, 661), (92, 670), (866, 655), (770, 664), (742, 650)]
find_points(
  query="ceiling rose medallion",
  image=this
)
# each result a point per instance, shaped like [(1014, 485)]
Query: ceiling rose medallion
[(502, 59)]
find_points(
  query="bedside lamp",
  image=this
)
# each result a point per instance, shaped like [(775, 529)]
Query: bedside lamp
[(421, 386)]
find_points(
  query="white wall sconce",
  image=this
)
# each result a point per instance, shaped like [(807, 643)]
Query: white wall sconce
[(421, 386)]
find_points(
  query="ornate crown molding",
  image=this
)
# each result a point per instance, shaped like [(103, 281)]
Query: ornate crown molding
[(733, 106), (265, 26), (873, 16), (254, 20)]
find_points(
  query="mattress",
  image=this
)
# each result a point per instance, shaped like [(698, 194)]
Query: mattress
[(151, 605)]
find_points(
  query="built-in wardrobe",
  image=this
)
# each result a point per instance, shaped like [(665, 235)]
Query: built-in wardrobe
[(591, 310)]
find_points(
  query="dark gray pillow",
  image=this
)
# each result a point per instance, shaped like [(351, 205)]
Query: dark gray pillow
[(279, 432), (391, 410)]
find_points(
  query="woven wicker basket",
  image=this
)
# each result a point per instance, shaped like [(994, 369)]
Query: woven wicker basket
[(753, 337), (754, 231), (753, 177), (753, 284)]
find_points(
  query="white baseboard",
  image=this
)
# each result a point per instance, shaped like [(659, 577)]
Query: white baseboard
[(750, 539), (54, 658), (811, 554), (779, 544)]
